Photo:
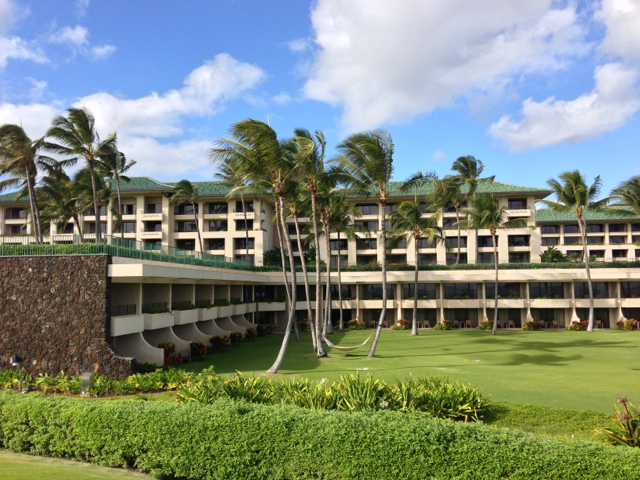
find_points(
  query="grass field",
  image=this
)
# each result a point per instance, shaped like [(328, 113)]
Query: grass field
[(17, 466), (571, 370)]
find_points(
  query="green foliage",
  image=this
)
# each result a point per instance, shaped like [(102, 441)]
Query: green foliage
[(485, 325), (185, 306), (221, 303), (401, 325), (250, 334), (235, 439), (218, 344), (236, 338), (532, 326), (155, 310), (626, 425), (147, 367), (354, 324), (198, 350), (173, 359), (578, 326), (303, 326), (628, 324), (168, 347), (265, 329), (446, 325), (553, 255)]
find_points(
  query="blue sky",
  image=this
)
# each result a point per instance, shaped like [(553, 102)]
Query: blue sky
[(532, 87)]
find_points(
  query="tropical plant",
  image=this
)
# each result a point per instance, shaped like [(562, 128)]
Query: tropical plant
[(58, 194), (532, 326), (168, 347), (485, 213), (114, 165), (218, 344), (626, 425), (552, 255), (77, 137), (366, 164), (186, 192), (198, 350), (444, 325), (485, 325), (448, 193), (574, 195), (628, 324)]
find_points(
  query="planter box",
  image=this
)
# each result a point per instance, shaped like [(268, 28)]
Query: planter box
[(154, 321), (272, 307), (183, 317), (225, 311), (126, 324), (207, 314)]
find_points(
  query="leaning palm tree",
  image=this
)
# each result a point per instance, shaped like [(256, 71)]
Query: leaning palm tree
[(77, 137), (186, 192), (447, 193), (58, 194), (485, 213), (574, 195), (628, 193), (20, 160), (408, 223), (114, 165), (366, 162)]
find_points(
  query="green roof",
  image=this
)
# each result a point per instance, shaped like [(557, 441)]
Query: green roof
[(141, 184), (208, 188), (548, 215), (11, 197)]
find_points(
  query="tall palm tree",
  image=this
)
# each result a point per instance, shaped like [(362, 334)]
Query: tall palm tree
[(447, 193), (366, 162), (408, 223), (485, 213), (186, 192), (574, 195), (77, 137), (60, 202), (20, 159), (114, 165), (628, 192)]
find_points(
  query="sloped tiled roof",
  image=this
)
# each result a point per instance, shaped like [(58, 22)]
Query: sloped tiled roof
[(10, 197), (208, 188), (548, 215), (141, 184)]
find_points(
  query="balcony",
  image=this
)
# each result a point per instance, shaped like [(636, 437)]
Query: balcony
[(521, 212), (240, 215), (151, 235), (125, 325), (152, 217)]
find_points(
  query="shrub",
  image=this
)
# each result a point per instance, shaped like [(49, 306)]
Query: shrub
[(401, 325), (303, 326), (354, 324), (198, 350), (578, 326), (158, 310), (236, 338), (168, 347), (265, 329), (532, 326), (626, 425), (627, 325), (173, 359), (218, 343), (185, 306), (221, 303), (250, 334), (485, 325), (147, 367), (244, 440), (446, 325)]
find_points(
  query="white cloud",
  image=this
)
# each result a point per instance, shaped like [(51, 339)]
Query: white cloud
[(611, 103), (37, 89), (439, 156), (35, 118), (81, 7), (8, 15), (299, 45), (75, 37), (19, 49), (282, 98), (388, 62), (622, 19), (102, 52)]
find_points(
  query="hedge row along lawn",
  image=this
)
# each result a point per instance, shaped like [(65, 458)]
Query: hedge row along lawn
[(233, 439)]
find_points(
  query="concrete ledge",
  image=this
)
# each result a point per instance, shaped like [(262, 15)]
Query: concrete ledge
[(242, 321), (134, 345), (191, 333), (225, 311), (210, 328), (154, 321), (126, 324), (154, 337), (225, 323), (182, 317), (273, 306), (205, 314)]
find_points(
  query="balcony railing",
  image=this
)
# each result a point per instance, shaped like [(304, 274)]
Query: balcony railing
[(121, 310)]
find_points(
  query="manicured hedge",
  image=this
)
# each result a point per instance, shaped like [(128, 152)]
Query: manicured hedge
[(232, 439)]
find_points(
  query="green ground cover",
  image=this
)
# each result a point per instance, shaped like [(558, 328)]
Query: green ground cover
[(18, 466), (562, 369)]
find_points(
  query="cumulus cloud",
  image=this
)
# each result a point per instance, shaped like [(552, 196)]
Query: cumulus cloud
[(622, 19), (439, 156), (299, 45), (75, 37), (35, 118), (81, 7), (102, 52), (20, 49), (37, 89), (611, 103), (282, 98), (388, 62)]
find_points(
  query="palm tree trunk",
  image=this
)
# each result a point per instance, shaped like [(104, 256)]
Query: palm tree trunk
[(291, 292), (120, 210), (284, 263), (75, 219), (583, 234), (383, 234), (495, 263), (341, 327), (195, 216), (414, 325), (246, 227), (458, 222), (319, 318), (95, 199), (35, 214), (306, 284), (328, 324)]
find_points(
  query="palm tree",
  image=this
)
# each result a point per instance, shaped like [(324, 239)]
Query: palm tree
[(20, 159), (448, 194), (60, 203), (186, 192), (366, 162), (77, 137), (485, 213), (574, 195), (114, 165), (628, 193), (409, 224)]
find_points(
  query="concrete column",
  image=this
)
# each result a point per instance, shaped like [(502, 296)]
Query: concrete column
[(140, 209), (201, 227), (167, 222), (503, 247), (527, 301), (574, 314)]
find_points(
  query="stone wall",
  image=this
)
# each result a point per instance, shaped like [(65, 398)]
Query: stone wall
[(55, 314)]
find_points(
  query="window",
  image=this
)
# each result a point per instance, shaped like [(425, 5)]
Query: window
[(518, 257), (217, 225), (617, 227), (485, 258), (595, 228), (617, 240), (374, 292), (333, 244), (347, 293), (247, 205), (601, 314), (635, 239), (366, 259), (571, 229), (581, 289), (344, 260), (16, 213), (595, 240), (367, 243), (546, 241), (219, 207), (390, 207), (451, 258), (241, 243), (426, 291), (240, 225), (460, 290), (103, 212), (92, 227), (460, 314), (517, 204), (638, 253), (264, 292), (21, 230), (401, 243), (186, 226), (546, 290), (425, 208), (152, 226), (449, 223), (454, 242), (573, 241), (519, 240), (550, 229), (575, 253), (547, 314), (154, 208), (68, 228), (510, 290), (485, 241), (635, 227), (630, 289), (186, 209), (216, 244), (128, 209), (597, 253), (391, 259), (368, 209), (187, 244), (452, 209), (619, 253), (153, 244), (129, 227), (427, 259), (246, 258), (371, 226), (424, 243)]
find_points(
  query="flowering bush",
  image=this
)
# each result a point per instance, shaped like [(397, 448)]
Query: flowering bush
[(265, 329), (446, 325), (303, 326), (168, 347), (173, 359), (487, 325), (198, 350), (579, 326), (218, 343), (250, 334), (531, 326), (356, 325), (236, 337), (626, 425), (401, 325), (627, 325)]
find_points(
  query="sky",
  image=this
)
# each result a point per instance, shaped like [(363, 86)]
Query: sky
[(532, 88)]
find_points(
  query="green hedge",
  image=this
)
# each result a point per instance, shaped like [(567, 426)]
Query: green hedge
[(232, 439)]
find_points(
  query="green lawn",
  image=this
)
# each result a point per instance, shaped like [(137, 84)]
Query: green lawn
[(17, 466), (571, 370)]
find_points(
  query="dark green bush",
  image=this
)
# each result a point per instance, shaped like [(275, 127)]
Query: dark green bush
[(238, 440)]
